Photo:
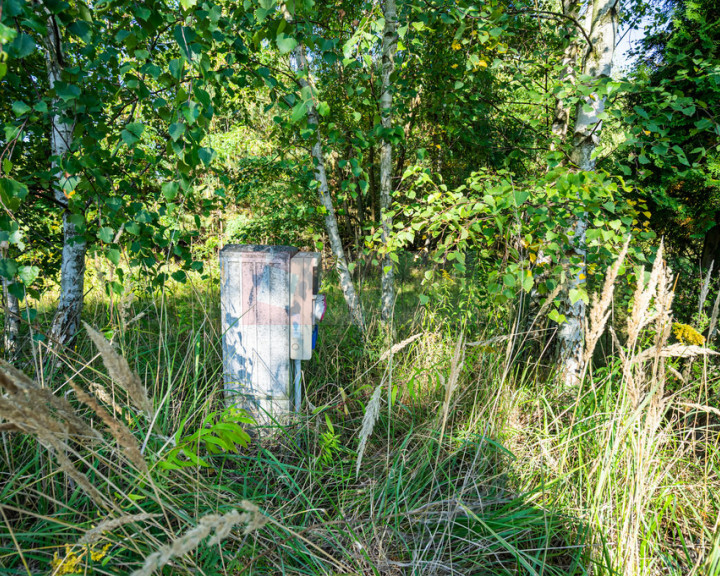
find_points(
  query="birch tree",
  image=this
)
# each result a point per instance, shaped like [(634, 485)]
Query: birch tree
[(11, 328), (600, 26), (72, 270), (331, 225), (389, 47), (563, 111)]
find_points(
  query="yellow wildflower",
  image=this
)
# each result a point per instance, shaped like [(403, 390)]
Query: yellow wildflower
[(456, 45), (686, 334), (97, 555), (70, 564)]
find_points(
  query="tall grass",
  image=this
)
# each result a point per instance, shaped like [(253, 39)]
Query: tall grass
[(447, 453)]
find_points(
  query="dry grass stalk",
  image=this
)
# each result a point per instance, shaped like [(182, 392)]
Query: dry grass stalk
[(643, 430), (488, 342), (221, 524), (663, 326), (372, 411), (639, 318), (104, 396), (60, 450), (714, 318), (674, 351), (51, 420), (700, 407), (95, 533), (119, 431), (600, 310), (399, 346), (17, 378), (455, 369), (120, 372), (38, 411)]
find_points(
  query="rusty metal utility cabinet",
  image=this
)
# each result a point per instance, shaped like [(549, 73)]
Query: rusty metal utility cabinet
[(267, 298)]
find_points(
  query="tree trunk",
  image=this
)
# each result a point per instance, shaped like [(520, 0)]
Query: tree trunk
[(571, 54), (390, 39), (72, 285), (72, 269), (331, 225), (12, 316), (600, 23), (711, 247)]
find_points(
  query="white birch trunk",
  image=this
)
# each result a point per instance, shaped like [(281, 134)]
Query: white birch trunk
[(11, 328), (331, 225), (601, 26), (72, 269), (389, 47), (12, 323)]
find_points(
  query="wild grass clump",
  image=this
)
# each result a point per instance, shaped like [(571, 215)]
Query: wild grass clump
[(446, 451), (639, 462)]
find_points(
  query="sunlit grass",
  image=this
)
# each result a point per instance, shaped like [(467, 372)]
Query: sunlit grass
[(481, 465)]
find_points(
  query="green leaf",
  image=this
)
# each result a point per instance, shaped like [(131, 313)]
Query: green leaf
[(323, 109), (8, 268), (28, 274), (528, 283), (132, 133), (207, 155), (106, 234), (67, 92), (555, 316), (12, 193), (191, 112), (176, 130), (176, 67), (184, 37), (187, 4), (113, 255), (520, 196), (7, 34), (19, 108), (22, 46), (285, 43), (576, 294), (170, 190), (298, 112)]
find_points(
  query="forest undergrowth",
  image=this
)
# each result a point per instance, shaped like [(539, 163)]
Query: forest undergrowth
[(450, 450)]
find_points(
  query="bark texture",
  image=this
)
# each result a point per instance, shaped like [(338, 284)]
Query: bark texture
[(331, 224), (389, 47), (72, 269), (11, 328), (600, 23)]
